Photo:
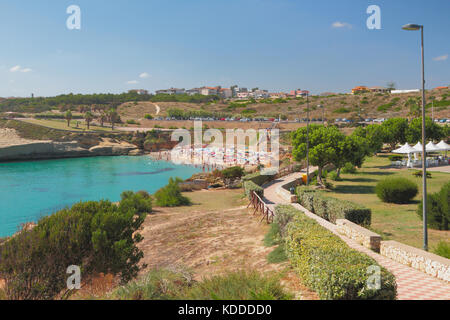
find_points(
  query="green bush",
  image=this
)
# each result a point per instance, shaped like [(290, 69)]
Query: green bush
[(250, 186), (148, 117), (395, 158), (141, 201), (349, 168), (332, 209), (96, 236), (170, 195), (258, 178), (233, 172), (334, 176), (419, 174), (396, 190), (438, 211), (328, 266), (272, 237), (443, 249)]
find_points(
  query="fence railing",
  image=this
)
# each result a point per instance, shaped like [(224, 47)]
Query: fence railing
[(261, 207)]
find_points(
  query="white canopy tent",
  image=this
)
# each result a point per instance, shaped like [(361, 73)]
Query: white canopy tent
[(407, 149), (443, 146), (431, 147)]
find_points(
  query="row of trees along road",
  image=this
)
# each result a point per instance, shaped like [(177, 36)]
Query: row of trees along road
[(112, 116)]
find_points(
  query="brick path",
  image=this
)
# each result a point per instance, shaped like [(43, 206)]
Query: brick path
[(412, 284)]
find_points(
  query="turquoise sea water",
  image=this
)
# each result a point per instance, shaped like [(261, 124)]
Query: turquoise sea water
[(30, 190)]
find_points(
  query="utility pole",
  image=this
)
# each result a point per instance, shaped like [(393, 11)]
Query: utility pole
[(307, 140)]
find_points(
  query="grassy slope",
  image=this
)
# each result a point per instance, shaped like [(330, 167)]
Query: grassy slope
[(32, 131), (62, 125), (392, 221), (296, 109)]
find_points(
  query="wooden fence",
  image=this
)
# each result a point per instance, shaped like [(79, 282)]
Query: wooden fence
[(261, 208)]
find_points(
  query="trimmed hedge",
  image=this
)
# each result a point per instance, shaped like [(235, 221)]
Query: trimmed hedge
[(328, 266), (396, 190), (257, 178), (250, 186), (332, 209)]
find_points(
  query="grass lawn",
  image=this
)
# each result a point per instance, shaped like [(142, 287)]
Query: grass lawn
[(392, 221), (62, 125)]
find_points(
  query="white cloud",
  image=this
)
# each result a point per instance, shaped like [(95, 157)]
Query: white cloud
[(338, 24), (15, 68), (441, 58), (20, 69), (144, 75), (132, 82)]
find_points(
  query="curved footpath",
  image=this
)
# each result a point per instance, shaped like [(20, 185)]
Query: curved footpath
[(411, 283)]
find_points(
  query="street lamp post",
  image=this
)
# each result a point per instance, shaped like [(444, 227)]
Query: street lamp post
[(307, 139), (323, 113), (415, 27)]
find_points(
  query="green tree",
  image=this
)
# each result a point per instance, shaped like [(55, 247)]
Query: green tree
[(88, 116), (373, 135), (352, 149), (323, 146), (433, 131), (394, 131), (68, 116)]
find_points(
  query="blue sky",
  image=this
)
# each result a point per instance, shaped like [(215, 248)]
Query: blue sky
[(271, 44)]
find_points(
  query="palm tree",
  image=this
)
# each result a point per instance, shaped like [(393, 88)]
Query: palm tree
[(113, 117), (68, 117), (102, 118), (88, 116)]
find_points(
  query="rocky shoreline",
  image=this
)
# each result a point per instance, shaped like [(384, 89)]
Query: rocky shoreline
[(13, 148)]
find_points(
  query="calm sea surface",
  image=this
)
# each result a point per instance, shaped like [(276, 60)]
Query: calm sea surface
[(30, 190)]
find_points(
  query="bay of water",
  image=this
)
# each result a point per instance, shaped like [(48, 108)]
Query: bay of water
[(33, 189)]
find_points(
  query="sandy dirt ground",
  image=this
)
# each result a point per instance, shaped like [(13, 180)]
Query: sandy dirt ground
[(213, 242), (9, 137)]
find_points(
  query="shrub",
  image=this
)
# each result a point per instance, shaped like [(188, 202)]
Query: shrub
[(349, 168), (258, 178), (250, 186), (328, 266), (395, 158), (438, 211), (133, 122), (334, 176), (233, 172), (443, 249), (170, 195), (96, 236), (148, 117), (141, 201), (396, 190), (419, 174), (332, 209)]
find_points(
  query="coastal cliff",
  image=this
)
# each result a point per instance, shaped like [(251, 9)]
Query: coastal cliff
[(12, 148)]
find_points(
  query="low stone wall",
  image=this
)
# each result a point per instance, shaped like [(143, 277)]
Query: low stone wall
[(429, 263), (286, 195), (361, 235)]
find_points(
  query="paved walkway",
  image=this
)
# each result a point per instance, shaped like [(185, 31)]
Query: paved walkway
[(411, 283)]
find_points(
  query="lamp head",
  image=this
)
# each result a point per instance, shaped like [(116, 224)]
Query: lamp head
[(412, 27)]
